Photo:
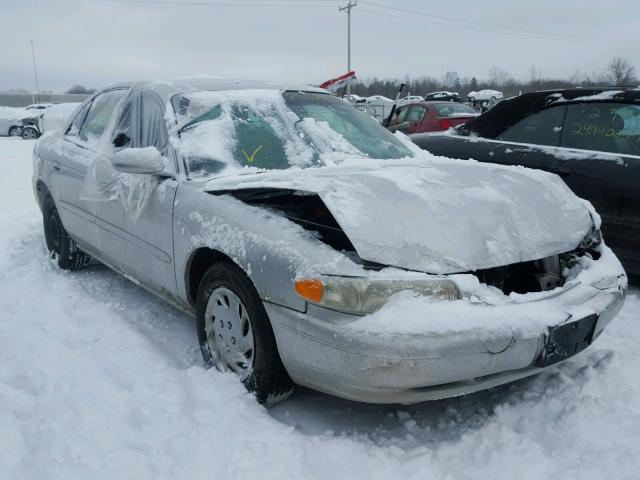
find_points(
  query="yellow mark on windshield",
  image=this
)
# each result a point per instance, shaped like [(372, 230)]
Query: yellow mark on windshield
[(251, 157)]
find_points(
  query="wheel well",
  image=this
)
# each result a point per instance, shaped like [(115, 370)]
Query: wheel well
[(198, 264), (43, 191)]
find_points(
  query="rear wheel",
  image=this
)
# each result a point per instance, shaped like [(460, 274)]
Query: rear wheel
[(14, 131), (59, 243), (235, 333)]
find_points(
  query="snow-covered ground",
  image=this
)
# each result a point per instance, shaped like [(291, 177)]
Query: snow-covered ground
[(99, 379)]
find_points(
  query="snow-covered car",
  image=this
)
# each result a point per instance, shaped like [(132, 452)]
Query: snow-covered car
[(378, 98), (48, 119), (10, 118), (485, 95), (410, 99), (39, 106), (315, 247)]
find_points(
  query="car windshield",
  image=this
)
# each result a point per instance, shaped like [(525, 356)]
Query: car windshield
[(274, 130), (451, 108)]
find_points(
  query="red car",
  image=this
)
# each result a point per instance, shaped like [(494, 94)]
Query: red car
[(430, 116)]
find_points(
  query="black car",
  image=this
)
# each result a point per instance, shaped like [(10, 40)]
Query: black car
[(590, 137), (443, 97)]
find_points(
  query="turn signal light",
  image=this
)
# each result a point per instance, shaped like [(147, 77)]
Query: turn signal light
[(311, 290)]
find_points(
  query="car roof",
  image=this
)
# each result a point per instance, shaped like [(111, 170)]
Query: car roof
[(167, 88), (511, 110), (426, 103)]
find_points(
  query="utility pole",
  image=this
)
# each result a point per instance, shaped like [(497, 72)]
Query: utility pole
[(35, 71), (347, 8)]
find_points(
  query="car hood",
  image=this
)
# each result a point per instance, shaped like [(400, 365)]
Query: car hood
[(439, 216)]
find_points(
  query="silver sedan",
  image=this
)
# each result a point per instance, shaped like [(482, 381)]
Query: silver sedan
[(316, 248)]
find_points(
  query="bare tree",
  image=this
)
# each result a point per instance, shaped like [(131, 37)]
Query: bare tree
[(535, 75), (498, 76), (620, 71)]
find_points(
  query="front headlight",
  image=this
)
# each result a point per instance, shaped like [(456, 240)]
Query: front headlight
[(591, 240), (360, 296)]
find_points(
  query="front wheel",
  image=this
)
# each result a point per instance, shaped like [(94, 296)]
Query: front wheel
[(59, 243), (30, 133), (235, 333)]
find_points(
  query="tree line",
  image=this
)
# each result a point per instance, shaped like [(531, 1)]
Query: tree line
[(618, 72)]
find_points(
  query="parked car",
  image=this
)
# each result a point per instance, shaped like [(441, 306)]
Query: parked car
[(485, 95), (590, 137), (38, 106), (443, 97), (409, 99), (10, 121), (314, 247), (53, 117), (430, 116)]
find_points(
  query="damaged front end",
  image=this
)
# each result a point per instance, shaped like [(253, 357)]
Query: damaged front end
[(309, 211), (544, 274)]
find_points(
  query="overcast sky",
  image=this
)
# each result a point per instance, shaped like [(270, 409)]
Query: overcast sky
[(96, 42)]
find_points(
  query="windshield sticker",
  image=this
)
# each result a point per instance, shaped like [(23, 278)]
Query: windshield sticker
[(251, 158)]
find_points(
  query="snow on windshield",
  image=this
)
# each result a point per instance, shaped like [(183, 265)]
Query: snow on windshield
[(269, 129)]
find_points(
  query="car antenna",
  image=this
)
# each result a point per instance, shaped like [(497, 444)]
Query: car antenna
[(35, 71)]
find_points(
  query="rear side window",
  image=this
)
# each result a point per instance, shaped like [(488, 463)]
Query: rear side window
[(541, 128), (449, 109), (416, 114), (99, 115), (605, 127)]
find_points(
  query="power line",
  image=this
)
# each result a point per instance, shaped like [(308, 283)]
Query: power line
[(472, 22), (477, 26)]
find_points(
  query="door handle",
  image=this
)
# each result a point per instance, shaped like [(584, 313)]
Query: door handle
[(560, 170), (55, 166)]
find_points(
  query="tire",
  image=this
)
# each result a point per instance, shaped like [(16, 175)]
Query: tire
[(244, 317), (14, 131), (59, 243), (30, 133)]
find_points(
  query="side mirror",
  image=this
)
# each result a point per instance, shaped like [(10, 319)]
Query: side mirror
[(146, 160)]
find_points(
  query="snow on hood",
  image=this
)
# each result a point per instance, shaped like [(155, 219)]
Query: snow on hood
[(438, 216)]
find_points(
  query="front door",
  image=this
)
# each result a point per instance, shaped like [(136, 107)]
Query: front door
[(136, 218)]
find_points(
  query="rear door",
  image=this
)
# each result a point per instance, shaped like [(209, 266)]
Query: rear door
[(79, 148), (415, 116), (600, 156)]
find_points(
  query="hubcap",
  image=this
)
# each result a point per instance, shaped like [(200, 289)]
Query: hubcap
[(229, 333)]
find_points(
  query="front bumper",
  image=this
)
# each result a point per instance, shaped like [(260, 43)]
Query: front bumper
[(321, 350)]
